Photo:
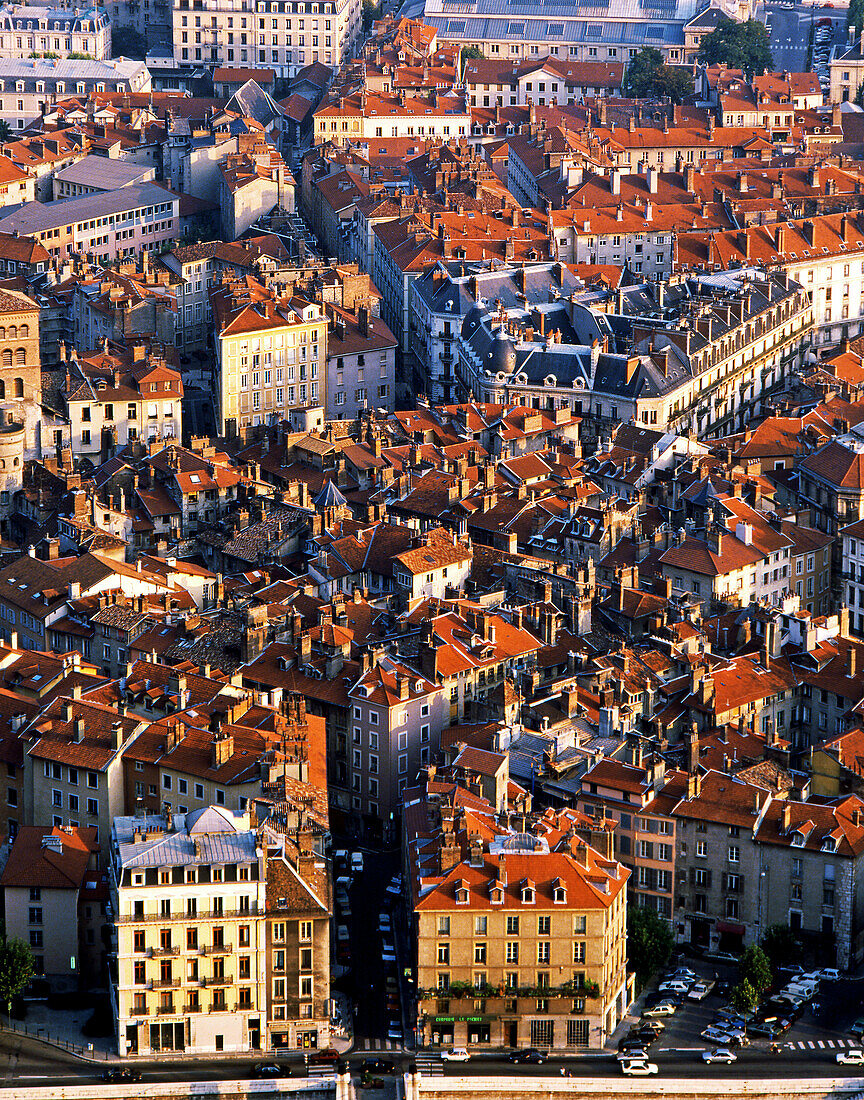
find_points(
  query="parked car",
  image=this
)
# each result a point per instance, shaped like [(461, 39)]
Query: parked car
[(324, 1056), (267, 1069), (529, 1057), (638, 1068), (374, 1066), (852, 1057), (675, 985), (720, 1054), (657, 1026), (700, 990), (124, 1073), (357, 862), (662, 1008), (857, 1029), (722, 957), (829, 974), (715, 1034), (632, 1052), (455, 1054)]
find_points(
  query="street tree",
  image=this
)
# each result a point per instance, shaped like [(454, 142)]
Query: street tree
[(744, 996), (739, 46), (16, 970), (780, 944), (649, 941), (649, 76), (755, 968)]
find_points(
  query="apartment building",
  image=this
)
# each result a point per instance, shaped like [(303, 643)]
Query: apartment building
[(49, 881), (119, 224), (271, 352), (824, 254), (73, 771), (115, 399), (707, 374), (298, 911), (469, 651), (831, 482), (28, 31), (361, 363), (443, 296), (26, 84), (363, 116), (283, 38), (520, 935), (503, 83), (189, 894), (20, 381), (396, 721)]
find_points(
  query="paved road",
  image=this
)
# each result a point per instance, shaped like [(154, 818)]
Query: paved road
[(790, 30)]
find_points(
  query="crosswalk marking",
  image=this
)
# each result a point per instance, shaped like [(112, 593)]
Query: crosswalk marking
[(377, 1044), (831, 1043), (430, 1064), (821, 1045)]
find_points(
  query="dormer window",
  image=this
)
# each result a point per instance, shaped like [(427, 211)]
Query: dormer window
[(461, 892), (559, 892), (829, 844), (528, 893), (496, 892), (797, 840)]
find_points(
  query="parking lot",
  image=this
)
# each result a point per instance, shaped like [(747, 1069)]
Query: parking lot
[(820, 1031)]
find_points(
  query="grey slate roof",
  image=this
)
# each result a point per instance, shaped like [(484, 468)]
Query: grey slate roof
[(221, 838), (35, 217)]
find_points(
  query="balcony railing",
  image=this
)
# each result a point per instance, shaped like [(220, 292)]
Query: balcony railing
[(223, 979), (201, 915), (165, 1010), (191, 1008), (165, 983), (215, 949), (163, 952)]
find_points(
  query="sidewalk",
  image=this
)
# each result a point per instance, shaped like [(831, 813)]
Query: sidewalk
[(62, 1028)]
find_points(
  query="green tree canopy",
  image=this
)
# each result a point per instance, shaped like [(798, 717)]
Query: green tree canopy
[(855, 14), (755, 969), (5, 132), (127, 42), (648, 75), (649, 941), (16, 969), (738, 45), (470, 53), (744, 996), (780, 944)]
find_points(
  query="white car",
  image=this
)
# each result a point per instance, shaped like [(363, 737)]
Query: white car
[(662, 1008), (830, 975), (632, 1056), (721, 1054), (455, 1054), (716, 1034), (638, 1068), (357, 862), (700, 990), (674, 985), (853, 1057)]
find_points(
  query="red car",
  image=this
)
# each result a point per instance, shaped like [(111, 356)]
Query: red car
[(326, 1056)]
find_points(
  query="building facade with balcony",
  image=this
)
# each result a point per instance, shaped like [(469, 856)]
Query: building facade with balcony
[(724, 345), (188, 896)]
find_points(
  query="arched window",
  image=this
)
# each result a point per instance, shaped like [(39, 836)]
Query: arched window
[(21, 357), (16, 461), (13, 332), (7, 358), (24, 331), (2, 332), (19, 387)]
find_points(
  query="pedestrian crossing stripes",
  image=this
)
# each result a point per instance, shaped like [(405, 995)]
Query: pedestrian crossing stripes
[(377, 1044), (321, 1073), (822, 1044), (429, 1065)]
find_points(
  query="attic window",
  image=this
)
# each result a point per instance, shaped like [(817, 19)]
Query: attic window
[(528, 895), (461, 893), (496, 895), (559, 894), (797, 840), (194, 478), (829, 844)]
